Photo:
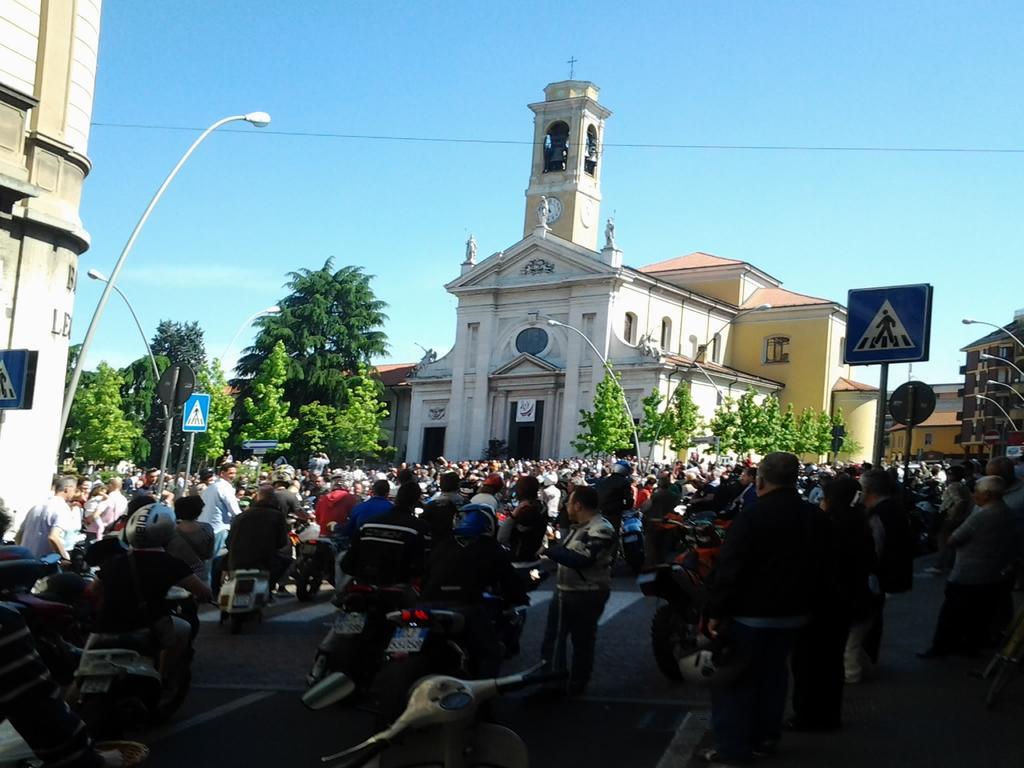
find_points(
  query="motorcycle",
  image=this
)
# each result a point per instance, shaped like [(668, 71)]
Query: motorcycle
[(355, 643), (243, 596), (681, 584), (433, 640), (632, 540), (118, 686), (315, 563), (437, 726)]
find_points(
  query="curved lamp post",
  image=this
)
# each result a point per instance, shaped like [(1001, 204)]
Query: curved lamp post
[(259, 119), (1004, 384), (1003, 361), (969, 321), (997, 405), (95, 274), (608, 367), (268, 311)]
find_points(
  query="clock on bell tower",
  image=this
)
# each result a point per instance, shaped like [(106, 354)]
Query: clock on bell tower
[(566, 169)]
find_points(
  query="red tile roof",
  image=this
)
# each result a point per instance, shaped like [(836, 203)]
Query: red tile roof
[(849, 385), (780, 297), (696, 260), (937, 419), (394, 374)]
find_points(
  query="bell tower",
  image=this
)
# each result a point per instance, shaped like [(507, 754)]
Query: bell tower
[(568, 136)]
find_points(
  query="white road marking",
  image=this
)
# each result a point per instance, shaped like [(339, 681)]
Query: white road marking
[(680, 750), (306, 614), (206, 717), (618, 602)]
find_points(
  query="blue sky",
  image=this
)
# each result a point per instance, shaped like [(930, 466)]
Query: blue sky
[(251, 206)]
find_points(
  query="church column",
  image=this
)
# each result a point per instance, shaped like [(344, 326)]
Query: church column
[(478, 431), (570, 406), (454, 439)]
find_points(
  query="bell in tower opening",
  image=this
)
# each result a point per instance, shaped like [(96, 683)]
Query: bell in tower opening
[(590, 161), (556, 147)]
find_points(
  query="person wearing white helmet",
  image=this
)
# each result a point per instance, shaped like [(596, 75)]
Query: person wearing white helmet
[(134, 585), (550, 495)]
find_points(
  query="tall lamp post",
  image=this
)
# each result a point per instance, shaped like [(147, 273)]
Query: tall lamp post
[(1004, 384), (997, 405), (268, 311), (1003, 361), (608, 367), (260, 120), (969, 321), (95, 274)]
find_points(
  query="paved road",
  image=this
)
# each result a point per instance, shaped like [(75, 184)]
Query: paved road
[(245, 708)]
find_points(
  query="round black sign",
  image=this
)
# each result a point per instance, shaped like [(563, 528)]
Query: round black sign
[(532, 341), (186, 383), (912, 403)]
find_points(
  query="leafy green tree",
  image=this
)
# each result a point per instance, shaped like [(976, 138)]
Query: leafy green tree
[(359, 422), (725, 425), (181, 343), (317, 430), (751, 430), (822, 433), (210, 380), (607, 428), (677, 423), (138, 395), (265, 408), (330, 323), (850, 446), (806, 432), (789, 439), (768, 435), (100, 430)]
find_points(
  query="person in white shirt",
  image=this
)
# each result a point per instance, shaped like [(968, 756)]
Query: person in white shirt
[(44, 528), (220, 506)]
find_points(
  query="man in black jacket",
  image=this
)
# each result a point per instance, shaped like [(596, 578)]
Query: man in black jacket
[(258, 535), (760, 595), (615, 493), (389, 548)]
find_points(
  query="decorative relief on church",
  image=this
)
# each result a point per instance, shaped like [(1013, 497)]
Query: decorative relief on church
[(436, 414), (538, 267)]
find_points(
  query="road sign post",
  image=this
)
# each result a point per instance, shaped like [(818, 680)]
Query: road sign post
[(175, 387), (17, 378), (887, 325)]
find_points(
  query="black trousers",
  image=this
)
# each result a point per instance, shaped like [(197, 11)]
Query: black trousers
[(818, 673), (965, 617), (873, 639), (573, 615)]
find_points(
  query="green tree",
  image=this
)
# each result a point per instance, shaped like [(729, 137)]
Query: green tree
[(789, 439), (850, 446), (677, 423), (330, 324), (750, 432), (725, 425), (138, 396), (822, 433), (806, 432), (265, 408), (607, 428), (768, 435), (210, 380), (359, 422), (317, 430), (100, 431), (181, 343)]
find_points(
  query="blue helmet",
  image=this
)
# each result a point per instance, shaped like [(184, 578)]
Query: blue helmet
[(475, 520), (622, 467)]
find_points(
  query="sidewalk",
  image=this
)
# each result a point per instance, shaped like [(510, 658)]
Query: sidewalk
[(916, 713)]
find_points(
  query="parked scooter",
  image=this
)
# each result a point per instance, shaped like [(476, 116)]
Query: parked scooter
[(242, 597), (632, 540), (437, 726), (315, 561), (118, 686)]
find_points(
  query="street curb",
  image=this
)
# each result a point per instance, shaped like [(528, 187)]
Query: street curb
[(688, 736)]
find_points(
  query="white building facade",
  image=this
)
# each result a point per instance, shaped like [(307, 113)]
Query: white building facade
[(512, 376), (48, 51)]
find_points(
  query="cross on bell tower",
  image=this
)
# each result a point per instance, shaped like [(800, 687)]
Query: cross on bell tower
[(566, 169)]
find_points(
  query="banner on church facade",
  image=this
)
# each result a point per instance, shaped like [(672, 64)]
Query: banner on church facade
[(526, 411)]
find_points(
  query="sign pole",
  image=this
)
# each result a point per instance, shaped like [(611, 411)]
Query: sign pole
[(883, 400), (167, 432), (910, 435), (188, 463)]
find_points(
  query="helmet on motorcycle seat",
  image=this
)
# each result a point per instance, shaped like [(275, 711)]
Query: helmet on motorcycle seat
[(494, 482), (475, 520), (622, 467), (151, 526), (713, 662)]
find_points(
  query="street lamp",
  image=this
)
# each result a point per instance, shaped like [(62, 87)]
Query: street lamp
[(259, 119), (268, 311), (608, 367), (95, 274), (997, 405), (1004, 384), (969, 321), (1003, 361)]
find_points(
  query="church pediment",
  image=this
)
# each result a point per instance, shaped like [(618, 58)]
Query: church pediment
[(533, 260), (526, 365)]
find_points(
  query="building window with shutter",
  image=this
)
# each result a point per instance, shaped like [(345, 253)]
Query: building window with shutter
[(776, 349)]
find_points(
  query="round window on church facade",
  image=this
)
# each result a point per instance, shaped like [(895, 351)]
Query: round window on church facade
[(532, 341)]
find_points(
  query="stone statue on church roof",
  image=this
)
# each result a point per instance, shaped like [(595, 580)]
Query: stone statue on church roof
[(471, 250), (543, 212), (609, 233)]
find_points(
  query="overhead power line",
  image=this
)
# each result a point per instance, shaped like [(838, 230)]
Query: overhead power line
[(623, 145)]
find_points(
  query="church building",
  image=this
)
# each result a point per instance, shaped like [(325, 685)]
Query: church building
[(535, 320)]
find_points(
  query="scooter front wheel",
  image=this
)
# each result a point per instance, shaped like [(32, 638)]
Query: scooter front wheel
[(307, 581)]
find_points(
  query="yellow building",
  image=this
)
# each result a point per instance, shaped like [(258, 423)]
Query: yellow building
[(536, 320), (935, 438)]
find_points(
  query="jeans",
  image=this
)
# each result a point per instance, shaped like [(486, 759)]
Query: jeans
[(573, 614), (214, 566), (748, 711)]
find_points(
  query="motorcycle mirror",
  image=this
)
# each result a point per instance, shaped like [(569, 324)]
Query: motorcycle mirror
[(334, 688)]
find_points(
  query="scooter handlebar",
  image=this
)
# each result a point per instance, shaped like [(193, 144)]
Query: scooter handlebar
[(358, 755), (526, 679)]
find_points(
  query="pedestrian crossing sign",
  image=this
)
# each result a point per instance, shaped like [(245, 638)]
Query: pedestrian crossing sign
[(17, 378), (888, 325), (195, 415)]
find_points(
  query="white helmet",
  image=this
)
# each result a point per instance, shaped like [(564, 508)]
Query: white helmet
[(712, 663), (151, 526), (549, 478)]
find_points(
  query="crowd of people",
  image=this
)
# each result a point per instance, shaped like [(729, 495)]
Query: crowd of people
[(799, 585)]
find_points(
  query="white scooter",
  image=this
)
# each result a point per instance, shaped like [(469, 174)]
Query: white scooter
[(243, 596), (438, 726)]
